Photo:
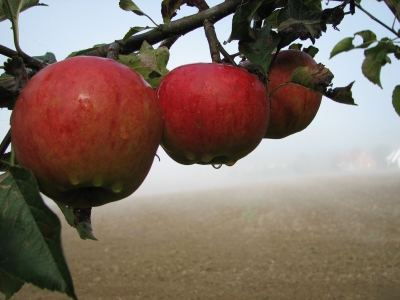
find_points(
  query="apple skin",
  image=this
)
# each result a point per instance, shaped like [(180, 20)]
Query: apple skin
[(88, 128), (292, 107), (213, 113)]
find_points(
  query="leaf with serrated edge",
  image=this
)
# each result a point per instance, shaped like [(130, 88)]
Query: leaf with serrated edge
[(396, 99), (368, 38), (17, 6), (344, 45), (84, 227), (342, 94), (129, 5), (9, 285), (168, 8), (375, 58), (259, 51), (241, 21), (30, 235), (148, 61), (316, 78)]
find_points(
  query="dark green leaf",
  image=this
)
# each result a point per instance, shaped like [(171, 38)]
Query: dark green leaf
[(148, 62), (48, 58), (396, 99), (169, 7), (133, 31), (30, 236), (80, 52), (311, 50), (296, 46), (316, 78), (344, 45), (9, 285), (12, 65), (342, 94), (273, 18), (368, 38), (79, 219), (259, 51), (241, 29), (304, 29), (375, 58), (17, 6), (129, 5)]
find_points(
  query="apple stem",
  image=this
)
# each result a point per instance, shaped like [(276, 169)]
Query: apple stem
[(215, 46), (212, 40)]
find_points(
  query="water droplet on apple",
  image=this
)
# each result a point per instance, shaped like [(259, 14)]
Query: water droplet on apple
[(97, 181), (190, 156), (74, 180), (217, 166), (207, 158), (117, 187), (230, 163), (122, 133)]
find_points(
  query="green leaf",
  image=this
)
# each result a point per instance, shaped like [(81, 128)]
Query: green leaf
[(368, 38), (150, 63), (316, 78), (259, 51), (169, 7), (133, 31), (12, 65), (9, 285), (79, 219), (17, 7), (129, 5), (80, 52), (344, 45), (241, 29), (311, 50), (375, 59), (30, 237), (48, 58), (396, 99), (304, 29), (342, 94)]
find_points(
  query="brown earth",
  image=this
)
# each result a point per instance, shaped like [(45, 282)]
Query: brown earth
[(311, 238)]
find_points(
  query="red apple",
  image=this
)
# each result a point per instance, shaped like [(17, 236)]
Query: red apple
[(292, 107), (88, 128), (213, 113)]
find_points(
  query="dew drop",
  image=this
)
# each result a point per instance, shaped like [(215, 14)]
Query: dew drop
[(74, 180), (117, 187), (230, 163), (190, 156), (207, 158), (97, 181), (217, 166)]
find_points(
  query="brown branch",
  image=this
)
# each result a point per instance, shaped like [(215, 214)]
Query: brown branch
[(173, 28), (212, 41), (30, 61), (113, 51)]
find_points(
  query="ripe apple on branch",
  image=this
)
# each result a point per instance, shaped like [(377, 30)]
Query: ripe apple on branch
[(202, 113)]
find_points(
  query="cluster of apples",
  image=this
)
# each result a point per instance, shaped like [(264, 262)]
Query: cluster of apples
[(89, 127)]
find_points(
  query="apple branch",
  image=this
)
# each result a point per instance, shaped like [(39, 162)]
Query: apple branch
[(113, 51), (30, 61), (212, 41), (173, 28)]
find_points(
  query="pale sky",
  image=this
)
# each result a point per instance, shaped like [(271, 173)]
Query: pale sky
[(67, 26)]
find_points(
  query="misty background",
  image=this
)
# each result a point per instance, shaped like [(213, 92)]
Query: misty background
[(341, 139)]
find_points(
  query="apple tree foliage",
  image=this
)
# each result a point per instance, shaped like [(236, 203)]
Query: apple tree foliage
[(30, 244)]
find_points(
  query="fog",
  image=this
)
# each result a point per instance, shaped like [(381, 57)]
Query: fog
[(337, 140)]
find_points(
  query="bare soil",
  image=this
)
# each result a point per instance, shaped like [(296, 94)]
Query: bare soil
[(326, 237)]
